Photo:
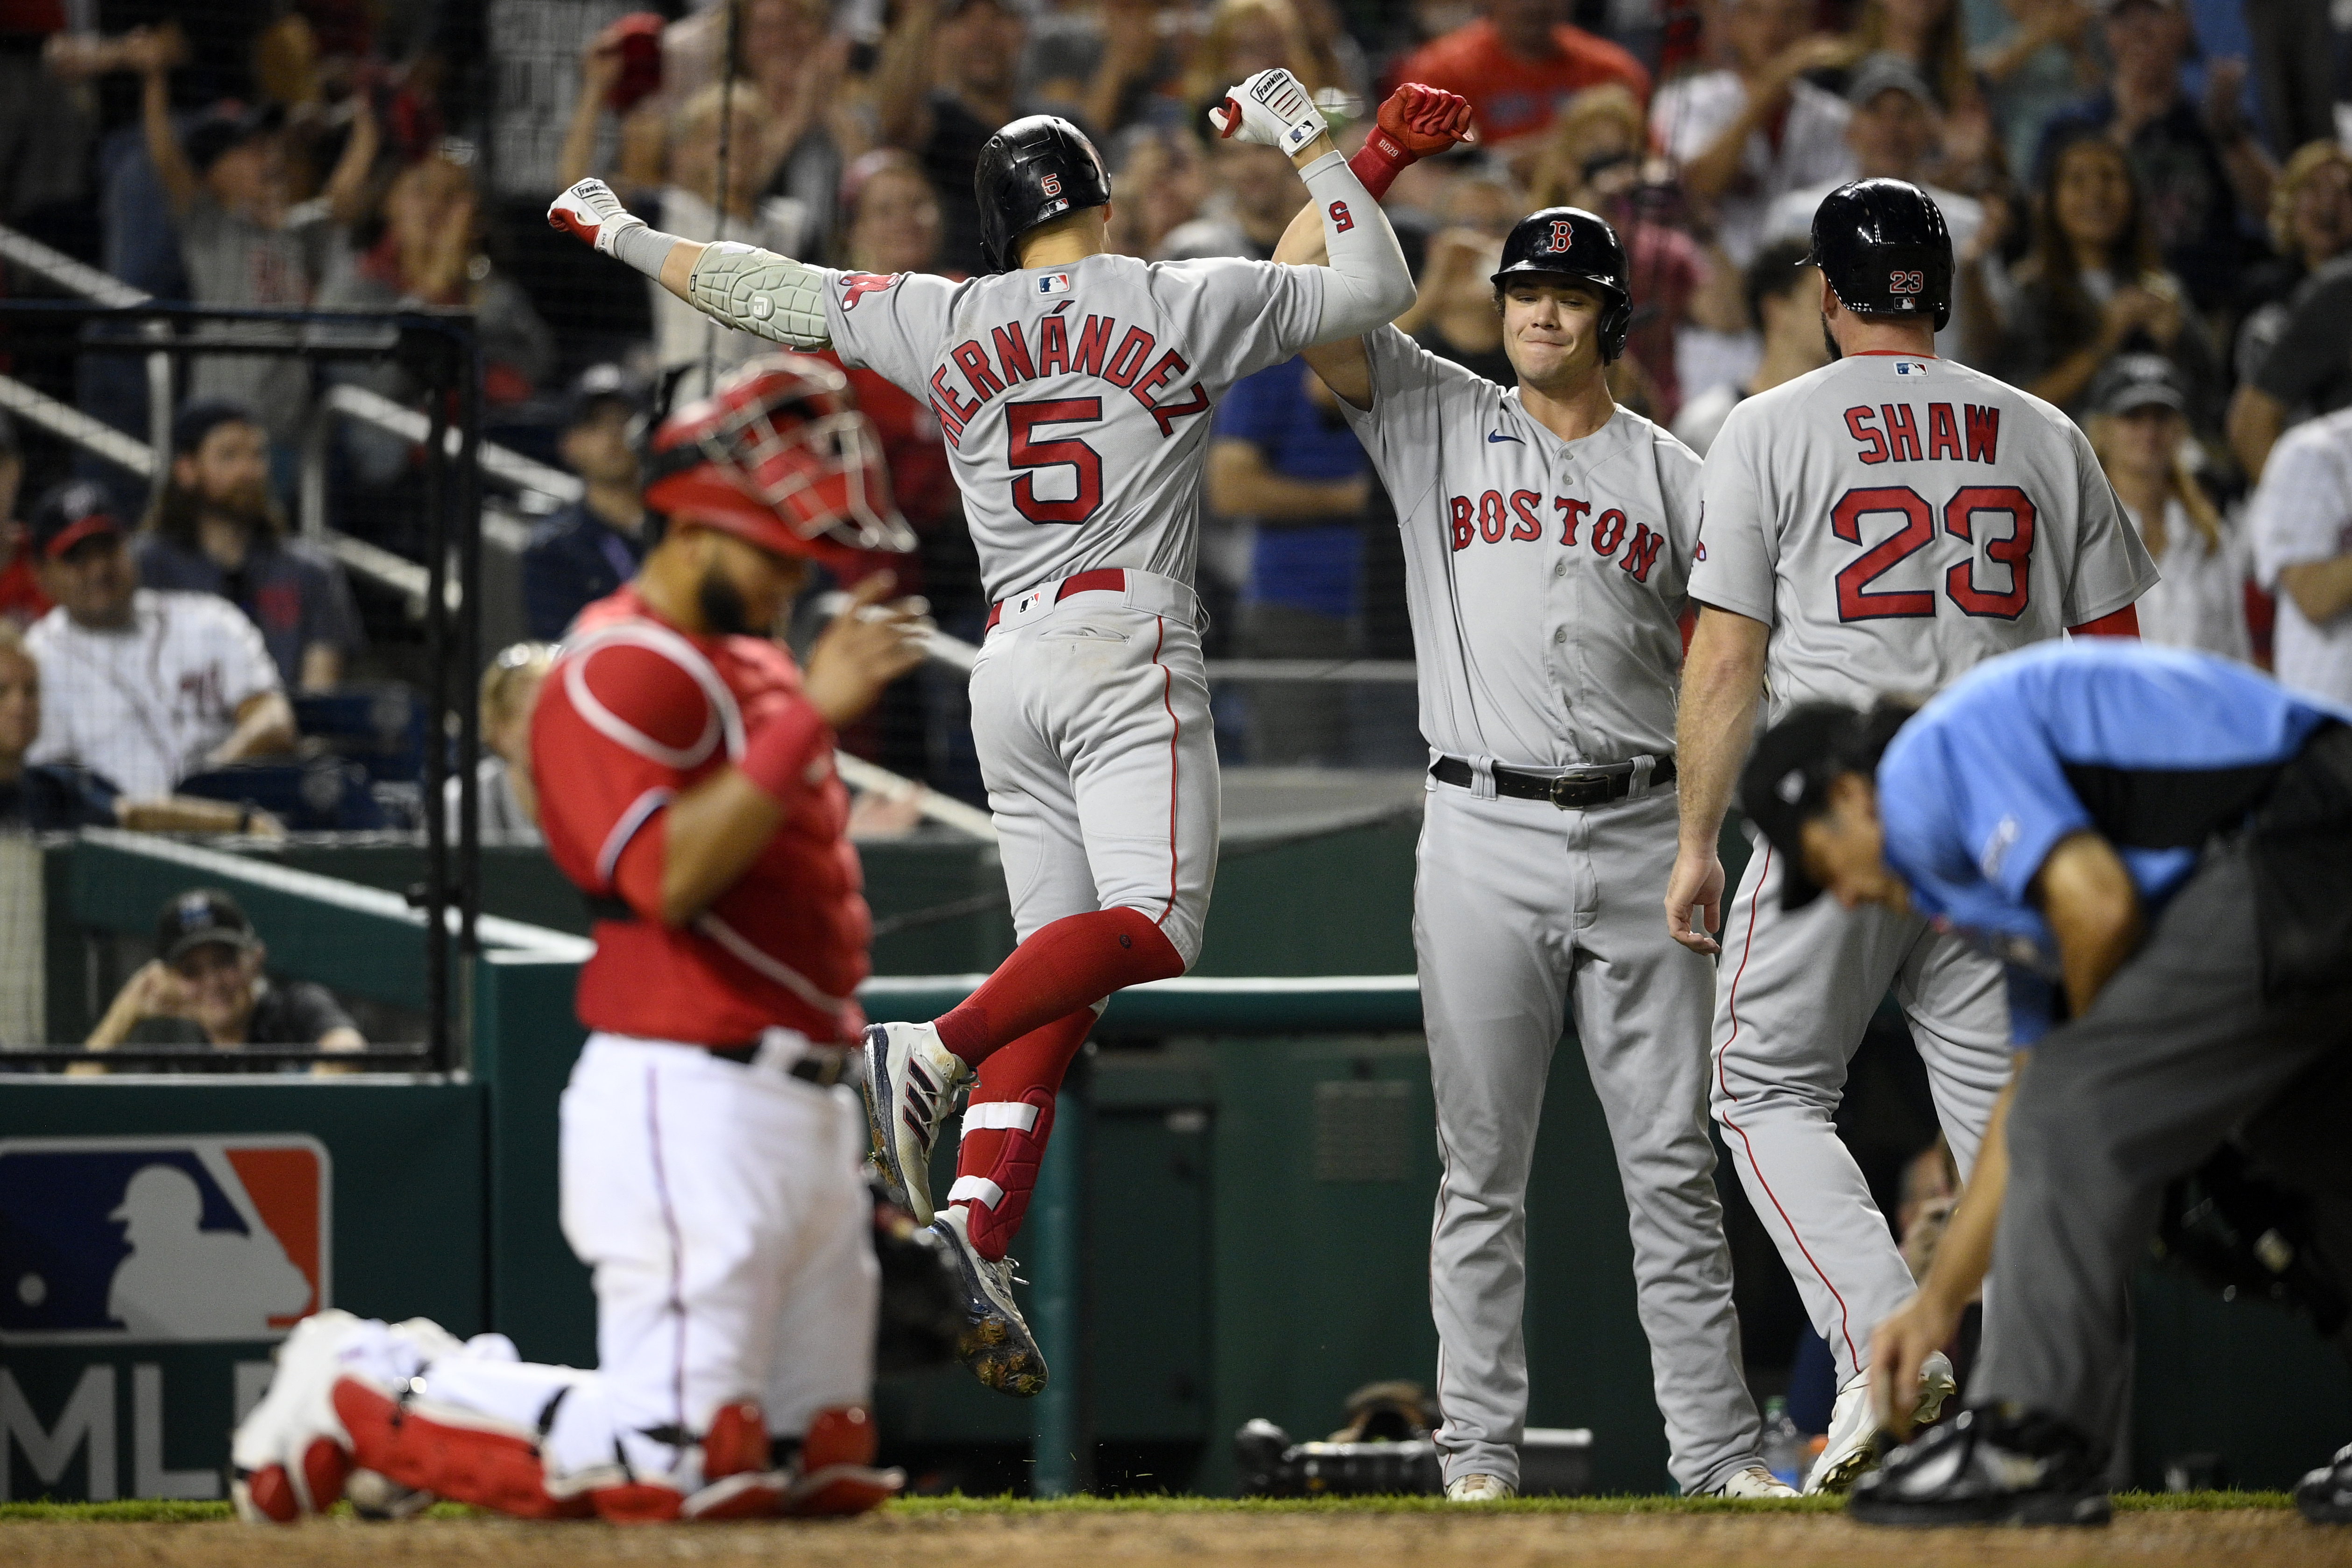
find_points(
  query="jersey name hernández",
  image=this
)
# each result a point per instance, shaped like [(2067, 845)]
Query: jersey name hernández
[(1072, 397), (1896, 518)]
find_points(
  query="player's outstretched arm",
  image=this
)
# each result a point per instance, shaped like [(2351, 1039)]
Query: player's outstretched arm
[(1723, 674), (1368, 282), (1416, 123), (754, 291)]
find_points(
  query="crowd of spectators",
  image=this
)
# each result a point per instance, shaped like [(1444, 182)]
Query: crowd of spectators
[(2150, 206)]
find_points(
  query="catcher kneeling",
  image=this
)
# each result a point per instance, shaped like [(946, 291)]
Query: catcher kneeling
[(710, 1146)]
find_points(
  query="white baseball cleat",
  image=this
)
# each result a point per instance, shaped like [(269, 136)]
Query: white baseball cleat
[(1756, 1481), (1852, 1449), (291, 1456), (1478, 1488), (996, 1343), (910, 1084)]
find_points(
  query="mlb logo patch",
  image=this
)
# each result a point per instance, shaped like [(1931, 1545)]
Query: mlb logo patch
[(1053, 283), (161, 1240), (1910, 367)]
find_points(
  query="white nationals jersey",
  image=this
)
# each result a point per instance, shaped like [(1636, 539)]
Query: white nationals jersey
[(1075, 399), (1545, 577), (142, 705), (1896, 518)]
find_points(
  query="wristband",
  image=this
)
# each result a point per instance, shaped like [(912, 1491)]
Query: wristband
[(791, 755), (1380, 161)]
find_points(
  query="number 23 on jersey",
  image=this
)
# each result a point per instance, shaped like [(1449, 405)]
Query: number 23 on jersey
[(1974, 514)]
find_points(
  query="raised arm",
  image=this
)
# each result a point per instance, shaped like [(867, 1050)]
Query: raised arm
[(1414, 123), (152, 55), (755, 290)]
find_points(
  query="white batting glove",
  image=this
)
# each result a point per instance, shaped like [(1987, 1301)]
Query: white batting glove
[(1273, 109), (592, 213)]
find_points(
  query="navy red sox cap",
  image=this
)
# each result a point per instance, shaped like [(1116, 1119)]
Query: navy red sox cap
[(1574, 243), (1032, 172), (1882, 246), (1787, 781)]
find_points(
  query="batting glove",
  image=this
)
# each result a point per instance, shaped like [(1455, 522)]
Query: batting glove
[(1416, 123), (1272, 109), (592, 213)]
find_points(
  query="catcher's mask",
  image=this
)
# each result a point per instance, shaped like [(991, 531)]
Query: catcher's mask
[(779, 456)]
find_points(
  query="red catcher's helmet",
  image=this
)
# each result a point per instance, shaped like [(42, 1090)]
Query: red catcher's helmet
[(779, 455)]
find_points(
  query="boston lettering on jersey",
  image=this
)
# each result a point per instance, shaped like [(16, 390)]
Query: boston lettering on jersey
[(1898, 441), (1007, 357), (1486, 519)]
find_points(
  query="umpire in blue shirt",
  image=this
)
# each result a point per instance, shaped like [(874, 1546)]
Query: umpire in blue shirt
[(2159, 843)]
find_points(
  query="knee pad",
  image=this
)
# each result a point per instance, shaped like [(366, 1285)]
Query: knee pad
[(997, 1160)]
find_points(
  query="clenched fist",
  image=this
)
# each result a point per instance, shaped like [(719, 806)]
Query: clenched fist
[(1416, 123)]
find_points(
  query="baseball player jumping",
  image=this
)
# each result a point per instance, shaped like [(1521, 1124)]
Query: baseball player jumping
[(1074, 388), (711, 1147), (1881, 523), (1548, 538)]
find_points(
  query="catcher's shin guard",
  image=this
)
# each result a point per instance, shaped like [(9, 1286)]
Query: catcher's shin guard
[(835, 1473), (451, 1453)]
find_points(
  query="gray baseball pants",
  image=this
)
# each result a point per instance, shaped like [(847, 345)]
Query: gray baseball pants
[(2177, 1052), (1521, 909), (1793, 995)]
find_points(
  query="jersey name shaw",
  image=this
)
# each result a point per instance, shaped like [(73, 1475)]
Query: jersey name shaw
[(1484, 519), (1009, 356), (1890, 433)]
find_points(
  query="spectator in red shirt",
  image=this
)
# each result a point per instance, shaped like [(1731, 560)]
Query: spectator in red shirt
[(21, 600), (1517, 64)]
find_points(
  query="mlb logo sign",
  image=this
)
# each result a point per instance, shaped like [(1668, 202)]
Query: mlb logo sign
[(1910, 367), (161, 1240), (1053, 283)]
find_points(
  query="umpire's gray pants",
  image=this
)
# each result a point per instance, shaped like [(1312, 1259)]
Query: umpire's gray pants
[(2177, 1052), (1519, 907)]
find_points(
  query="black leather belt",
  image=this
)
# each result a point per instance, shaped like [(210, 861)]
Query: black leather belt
[(823, 1066), (1572, 791)]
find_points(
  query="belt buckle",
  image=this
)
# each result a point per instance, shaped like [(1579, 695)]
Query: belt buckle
[(1567, 783)]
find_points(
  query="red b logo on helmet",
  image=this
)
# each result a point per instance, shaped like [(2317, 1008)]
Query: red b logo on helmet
[(1563, 235)]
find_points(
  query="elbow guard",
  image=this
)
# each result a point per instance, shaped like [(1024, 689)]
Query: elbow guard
[(757, 291)]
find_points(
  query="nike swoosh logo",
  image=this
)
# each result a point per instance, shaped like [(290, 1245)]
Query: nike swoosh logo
[(1498, 436)]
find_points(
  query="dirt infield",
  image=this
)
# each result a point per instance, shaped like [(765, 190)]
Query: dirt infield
[(1021, 1536)]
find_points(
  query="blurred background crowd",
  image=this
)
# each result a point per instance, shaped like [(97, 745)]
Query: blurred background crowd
[(2150, 203)]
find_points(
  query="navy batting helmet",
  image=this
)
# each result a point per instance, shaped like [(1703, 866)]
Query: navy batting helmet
[(1574, 243), (1032, 172), (1882, 246)]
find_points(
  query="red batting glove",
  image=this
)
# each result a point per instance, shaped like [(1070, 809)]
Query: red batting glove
[(1414, 123)]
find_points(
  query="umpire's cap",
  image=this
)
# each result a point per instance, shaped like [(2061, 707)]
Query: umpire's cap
[(1032, 172), (1882, 246), (1787, 781), (1574, 243)]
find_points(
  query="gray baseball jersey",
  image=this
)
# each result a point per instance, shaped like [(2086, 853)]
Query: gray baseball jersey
[(1896, 518), (1545, 578), (1893, 520), (1075, 399)]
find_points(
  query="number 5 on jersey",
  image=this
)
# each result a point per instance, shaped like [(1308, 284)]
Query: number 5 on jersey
[(1022, 451)]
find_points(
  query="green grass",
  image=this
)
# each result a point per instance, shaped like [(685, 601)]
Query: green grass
[(957, 1506)]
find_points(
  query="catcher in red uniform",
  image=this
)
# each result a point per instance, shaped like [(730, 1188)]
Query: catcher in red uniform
[(712, 1144)]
